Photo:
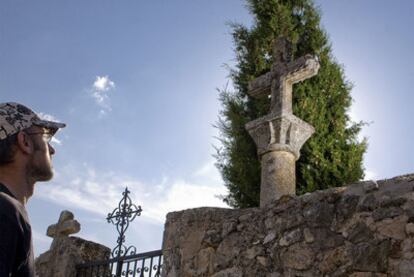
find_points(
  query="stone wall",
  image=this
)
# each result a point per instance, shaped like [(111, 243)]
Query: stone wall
[(365, 229), (66, 253)]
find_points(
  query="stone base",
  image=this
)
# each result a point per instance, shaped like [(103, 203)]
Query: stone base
[(365, 229), (278, 176)]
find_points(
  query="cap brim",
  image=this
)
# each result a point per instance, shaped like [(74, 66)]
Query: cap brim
[(49, 124)]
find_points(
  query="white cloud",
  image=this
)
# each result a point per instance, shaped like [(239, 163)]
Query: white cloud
[(100, 192), (182, 195), (48, 117), (103, 83), (370, 175), (209, 172), (100, 92)]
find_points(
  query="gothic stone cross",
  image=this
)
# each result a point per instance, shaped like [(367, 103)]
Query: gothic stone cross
[(279, 135), (283, 74), (66, 225)]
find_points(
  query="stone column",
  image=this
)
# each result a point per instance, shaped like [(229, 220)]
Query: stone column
[(278, 140), (278, 175)]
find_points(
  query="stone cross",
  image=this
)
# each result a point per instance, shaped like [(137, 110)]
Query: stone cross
[(284, 73), (66, 225), (280, 135)]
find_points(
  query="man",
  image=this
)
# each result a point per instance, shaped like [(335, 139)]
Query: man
[(25, 158)]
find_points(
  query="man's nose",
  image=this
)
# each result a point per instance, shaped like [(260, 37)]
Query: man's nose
[(51, 149)]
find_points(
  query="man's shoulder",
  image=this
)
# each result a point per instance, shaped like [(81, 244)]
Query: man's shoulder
[(9, 207), (7, 202)]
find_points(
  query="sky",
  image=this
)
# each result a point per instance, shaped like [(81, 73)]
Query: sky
[(137, 84)]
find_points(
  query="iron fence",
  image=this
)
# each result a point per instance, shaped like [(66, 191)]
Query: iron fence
[(147, 264)]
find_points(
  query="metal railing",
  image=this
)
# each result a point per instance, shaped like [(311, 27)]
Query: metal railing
[(147, 264)]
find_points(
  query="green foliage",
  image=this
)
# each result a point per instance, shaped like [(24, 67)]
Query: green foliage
[(333, 155)]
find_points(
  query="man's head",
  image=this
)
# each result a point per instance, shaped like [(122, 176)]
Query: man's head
[(23, 132)]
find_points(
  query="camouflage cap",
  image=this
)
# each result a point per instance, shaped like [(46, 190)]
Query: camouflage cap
[(15, 117)]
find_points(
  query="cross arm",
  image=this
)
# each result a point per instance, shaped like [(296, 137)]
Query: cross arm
[(70, 227), (51, 231), (302, 68), (260, 87)]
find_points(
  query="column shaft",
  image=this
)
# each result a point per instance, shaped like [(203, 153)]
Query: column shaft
[(278, 176)]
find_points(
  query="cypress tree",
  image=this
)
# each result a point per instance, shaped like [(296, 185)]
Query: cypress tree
[(333, 156)]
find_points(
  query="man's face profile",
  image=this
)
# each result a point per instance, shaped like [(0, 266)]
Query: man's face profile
[(40, 163)]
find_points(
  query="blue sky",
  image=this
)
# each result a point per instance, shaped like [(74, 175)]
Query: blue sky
[(136, 82)]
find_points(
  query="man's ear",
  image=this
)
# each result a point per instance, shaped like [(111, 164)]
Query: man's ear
[(24, 143)]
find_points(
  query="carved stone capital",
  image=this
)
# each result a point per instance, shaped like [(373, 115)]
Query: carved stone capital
[(279, 133)]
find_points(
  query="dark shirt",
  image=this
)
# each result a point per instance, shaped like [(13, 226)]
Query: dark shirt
[(16, 250)]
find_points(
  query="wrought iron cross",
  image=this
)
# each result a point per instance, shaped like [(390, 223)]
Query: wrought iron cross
[(121, 217)]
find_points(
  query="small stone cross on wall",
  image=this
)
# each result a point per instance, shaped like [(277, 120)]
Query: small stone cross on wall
[(66, 226), (279, 135)]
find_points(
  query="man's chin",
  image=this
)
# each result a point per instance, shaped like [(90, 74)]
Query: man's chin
[(45, 177)]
